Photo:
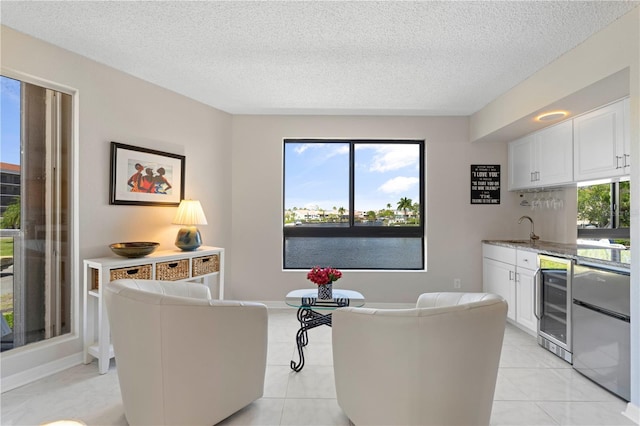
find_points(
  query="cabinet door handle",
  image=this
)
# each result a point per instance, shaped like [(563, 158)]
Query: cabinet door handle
[(625, 160), (532, 176), (618, 158), (511, 275), (172, 265), (132, 271)]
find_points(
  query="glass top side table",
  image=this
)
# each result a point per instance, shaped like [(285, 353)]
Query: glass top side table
[(307, 302)]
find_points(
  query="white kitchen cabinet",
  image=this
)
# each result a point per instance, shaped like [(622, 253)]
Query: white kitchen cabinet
[(542, 159), (511, 273), (526, 269), (498, 274), (601, 142), (498, 278), (554, 147), (521, 175)]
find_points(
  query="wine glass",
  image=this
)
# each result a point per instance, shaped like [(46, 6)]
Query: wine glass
[(537, 202), (558, 203)]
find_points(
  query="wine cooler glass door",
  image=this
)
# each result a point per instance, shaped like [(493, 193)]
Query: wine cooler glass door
[(555, 305)]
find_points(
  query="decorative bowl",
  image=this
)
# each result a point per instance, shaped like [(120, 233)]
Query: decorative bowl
[(134, 249)]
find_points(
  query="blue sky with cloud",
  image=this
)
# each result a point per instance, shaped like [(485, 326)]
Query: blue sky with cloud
[(317, 174), (9, 120)]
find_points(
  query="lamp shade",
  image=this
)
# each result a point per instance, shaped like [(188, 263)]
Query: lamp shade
[(190, 213)]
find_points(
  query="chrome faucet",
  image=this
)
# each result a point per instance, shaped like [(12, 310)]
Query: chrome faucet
[(532, 236)]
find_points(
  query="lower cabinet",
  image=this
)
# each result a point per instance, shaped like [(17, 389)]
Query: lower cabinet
[(499, 274), (525, 293), (511, 274), (498, 278)]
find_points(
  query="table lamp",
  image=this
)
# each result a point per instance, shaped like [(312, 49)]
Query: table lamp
[(189, 214)]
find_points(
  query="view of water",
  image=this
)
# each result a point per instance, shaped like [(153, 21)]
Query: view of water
[(354, 253)]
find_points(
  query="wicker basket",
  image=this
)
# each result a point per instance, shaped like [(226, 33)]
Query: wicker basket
[(95, 278), (172, 270), (142, 272), (206, 265)]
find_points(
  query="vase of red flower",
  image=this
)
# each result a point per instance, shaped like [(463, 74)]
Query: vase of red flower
[(324, 278)]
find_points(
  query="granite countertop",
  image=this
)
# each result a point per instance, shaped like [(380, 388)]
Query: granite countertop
[(606, 256)]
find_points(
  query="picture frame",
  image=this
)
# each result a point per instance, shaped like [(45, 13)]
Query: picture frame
[(485, 184), (145, 177)]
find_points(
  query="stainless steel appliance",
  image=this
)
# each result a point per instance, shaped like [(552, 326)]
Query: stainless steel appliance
[(601, 326), (553, 305)]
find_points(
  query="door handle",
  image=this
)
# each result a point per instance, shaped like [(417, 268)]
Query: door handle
[(537, 309)]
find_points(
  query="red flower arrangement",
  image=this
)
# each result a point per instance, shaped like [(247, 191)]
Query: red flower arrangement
[(322, 276)]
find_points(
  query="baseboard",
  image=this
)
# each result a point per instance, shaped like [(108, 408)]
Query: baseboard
[(39, 372), (526, 330), (633, 413)]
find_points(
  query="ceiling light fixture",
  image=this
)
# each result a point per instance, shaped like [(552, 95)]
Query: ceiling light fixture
[(553, 115)]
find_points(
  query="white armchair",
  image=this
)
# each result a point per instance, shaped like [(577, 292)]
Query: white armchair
[(182, 358), (435, 364)]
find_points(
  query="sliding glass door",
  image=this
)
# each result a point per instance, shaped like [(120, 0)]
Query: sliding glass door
[(36, 213)]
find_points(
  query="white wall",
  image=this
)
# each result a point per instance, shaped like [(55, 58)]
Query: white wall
[(114, 106), (455, 228)]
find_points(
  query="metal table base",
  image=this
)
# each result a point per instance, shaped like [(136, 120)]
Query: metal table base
[(308, 319)]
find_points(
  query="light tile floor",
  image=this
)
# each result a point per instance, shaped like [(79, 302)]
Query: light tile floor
[(534, 387)]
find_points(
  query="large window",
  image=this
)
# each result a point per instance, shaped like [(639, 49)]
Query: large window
[(354, 204), (35, 210), (604, 211)]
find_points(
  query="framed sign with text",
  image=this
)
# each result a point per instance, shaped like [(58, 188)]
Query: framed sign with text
[(485, 184)]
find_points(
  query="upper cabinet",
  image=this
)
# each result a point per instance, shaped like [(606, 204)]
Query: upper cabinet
[(602, 142), (521, 169), (544, 158), (595, 145)]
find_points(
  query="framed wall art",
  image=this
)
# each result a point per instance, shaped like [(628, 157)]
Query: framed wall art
[(485, 184), (145, 177)]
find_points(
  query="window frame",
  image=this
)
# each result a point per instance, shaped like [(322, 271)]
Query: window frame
[(352, 230), (615, 232), (50, 347)]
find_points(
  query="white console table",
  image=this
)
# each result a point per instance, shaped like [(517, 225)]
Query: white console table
[(172, 265)]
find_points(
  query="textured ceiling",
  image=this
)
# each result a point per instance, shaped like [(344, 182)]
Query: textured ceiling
[(398, 58)]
